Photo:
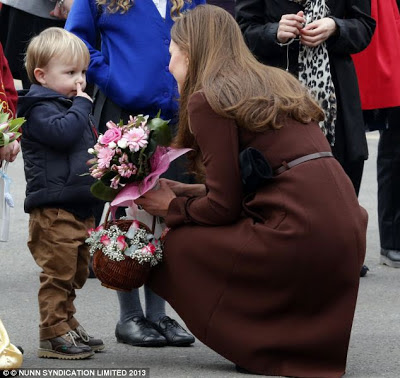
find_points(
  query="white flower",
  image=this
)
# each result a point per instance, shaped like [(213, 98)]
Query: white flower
[(91, 151), (122, 143), (112, 145)]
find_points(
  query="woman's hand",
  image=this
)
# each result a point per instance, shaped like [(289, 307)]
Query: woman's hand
[(180, 189), (317, 32), (290, 26), (156, 201), (10, 152)]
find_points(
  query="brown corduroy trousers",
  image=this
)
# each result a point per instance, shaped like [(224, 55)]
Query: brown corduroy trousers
[(57, 243)]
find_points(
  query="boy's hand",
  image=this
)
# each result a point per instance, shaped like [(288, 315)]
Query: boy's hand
[(80, 93)]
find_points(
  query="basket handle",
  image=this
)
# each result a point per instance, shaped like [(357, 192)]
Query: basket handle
[(107, 219)]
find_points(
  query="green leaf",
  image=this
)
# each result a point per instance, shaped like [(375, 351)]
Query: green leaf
[(151, 147), (10, 126), (103, 192), (6, 139), (3, 117), (16, 123), (160, 131)]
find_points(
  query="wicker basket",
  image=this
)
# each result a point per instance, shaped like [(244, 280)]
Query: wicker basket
[(122, 275)]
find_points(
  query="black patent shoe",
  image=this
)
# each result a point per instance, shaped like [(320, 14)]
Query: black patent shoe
[(139, 332), (175, 334), (363, 271), (390, 257)]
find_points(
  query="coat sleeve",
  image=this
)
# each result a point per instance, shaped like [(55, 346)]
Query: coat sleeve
[(7, 83), (48, 126), (355, 29), (82, 21), (217, 138)]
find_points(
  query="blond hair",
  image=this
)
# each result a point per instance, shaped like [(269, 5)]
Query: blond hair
[(236, 85), (122, 6), (50, 43)]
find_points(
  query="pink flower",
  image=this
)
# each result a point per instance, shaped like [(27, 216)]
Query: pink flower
[(111, 135), (4, 127), (135, 224), (98, 147), (111, 125), (105, 240), (121, 243), (127, 170), (150, 248), (97, 229), (137, 138), (104, 157), (124, 158), (164, 233), (115, 182), (92, 161), (97, 173)]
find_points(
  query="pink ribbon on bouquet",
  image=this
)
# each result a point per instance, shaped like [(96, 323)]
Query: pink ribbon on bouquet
[(159, 163)]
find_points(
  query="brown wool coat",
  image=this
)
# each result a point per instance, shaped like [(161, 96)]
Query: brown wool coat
[(276, 297)]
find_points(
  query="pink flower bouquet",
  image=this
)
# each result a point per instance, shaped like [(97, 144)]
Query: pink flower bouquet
[(128, 159)]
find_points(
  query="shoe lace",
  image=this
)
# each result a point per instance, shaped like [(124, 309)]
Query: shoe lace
[(169, 323), (82, 334), (72, 336)]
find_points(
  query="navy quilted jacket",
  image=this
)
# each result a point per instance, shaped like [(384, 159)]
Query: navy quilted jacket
[(55, 140)]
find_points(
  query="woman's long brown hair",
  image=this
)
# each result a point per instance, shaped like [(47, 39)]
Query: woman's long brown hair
[(236, 85)]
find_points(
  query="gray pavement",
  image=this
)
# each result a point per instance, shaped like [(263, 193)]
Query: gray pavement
[(375, 343)]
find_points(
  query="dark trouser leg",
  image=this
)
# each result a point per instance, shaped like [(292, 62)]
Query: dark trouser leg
[(354, 169), (388, 175)]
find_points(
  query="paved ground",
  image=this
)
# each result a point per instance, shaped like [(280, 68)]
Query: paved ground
[(375, 343)]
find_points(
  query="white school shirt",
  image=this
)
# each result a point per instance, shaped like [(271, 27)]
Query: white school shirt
[(161, 6)]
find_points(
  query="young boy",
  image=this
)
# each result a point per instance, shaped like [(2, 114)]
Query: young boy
[(56, 137)]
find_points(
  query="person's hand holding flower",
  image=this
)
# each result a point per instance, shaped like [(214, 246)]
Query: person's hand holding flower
[(156, 201)]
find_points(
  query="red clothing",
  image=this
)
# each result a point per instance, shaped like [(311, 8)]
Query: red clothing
[(377, 66), (8, 94)]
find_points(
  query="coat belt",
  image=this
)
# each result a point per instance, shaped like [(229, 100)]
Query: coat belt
[(285, 166)]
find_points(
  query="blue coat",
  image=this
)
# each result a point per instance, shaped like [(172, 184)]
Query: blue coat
[(132, 67), (55, 140)]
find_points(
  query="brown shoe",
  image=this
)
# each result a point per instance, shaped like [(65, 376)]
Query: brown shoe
[(65, 347), (84, 338)]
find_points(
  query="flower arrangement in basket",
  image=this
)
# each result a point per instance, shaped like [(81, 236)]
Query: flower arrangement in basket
[(128, 160), (124, 251)]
